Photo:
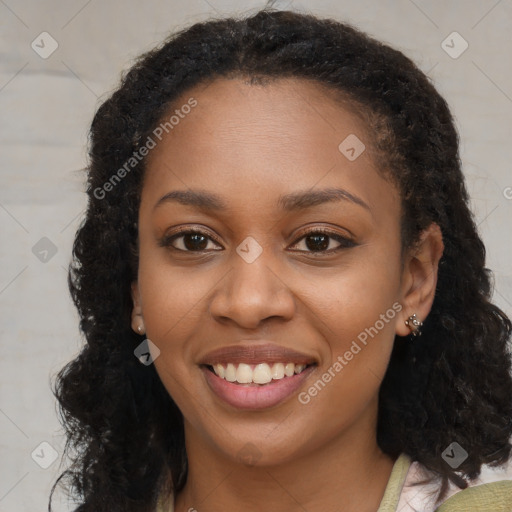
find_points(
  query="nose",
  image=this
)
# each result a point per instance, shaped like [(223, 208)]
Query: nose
[(251, 293)]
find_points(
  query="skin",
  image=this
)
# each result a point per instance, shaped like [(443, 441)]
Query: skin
[(251, 144)]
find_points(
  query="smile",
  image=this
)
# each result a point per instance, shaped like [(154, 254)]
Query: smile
[(255, 375), (262, 373), (251, 395)]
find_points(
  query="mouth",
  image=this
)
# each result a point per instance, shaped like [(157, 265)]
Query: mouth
[(256, 377), (256, 374)]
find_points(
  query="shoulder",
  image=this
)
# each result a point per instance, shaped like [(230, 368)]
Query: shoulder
[(490, 492), (490, 497)]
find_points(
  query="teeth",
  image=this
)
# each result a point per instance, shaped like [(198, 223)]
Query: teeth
[(244, 374), (230, 374), (219, 370), (289, 369), (262, 373), (299, 368), (278, 371)]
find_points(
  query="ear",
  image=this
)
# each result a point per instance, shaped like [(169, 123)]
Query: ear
[(137, 319), (419, 277)]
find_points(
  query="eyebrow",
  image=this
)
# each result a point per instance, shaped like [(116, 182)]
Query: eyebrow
[(290, 202)]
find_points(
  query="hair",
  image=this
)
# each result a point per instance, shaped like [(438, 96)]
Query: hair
[(125, 436)]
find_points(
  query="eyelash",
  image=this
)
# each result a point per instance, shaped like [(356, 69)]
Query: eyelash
[(345, 242)]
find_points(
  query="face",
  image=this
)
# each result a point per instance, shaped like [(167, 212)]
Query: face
[(270, 255)]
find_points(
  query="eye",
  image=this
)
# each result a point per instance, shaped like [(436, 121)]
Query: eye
[(318, 241), (188, 240)]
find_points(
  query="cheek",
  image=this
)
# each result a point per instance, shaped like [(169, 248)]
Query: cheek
[(357, 297), (171, 305), (358, 310), (171, 296), (172, 313)]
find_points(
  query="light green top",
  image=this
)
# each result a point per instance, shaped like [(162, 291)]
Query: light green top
[(491, 497), (395, 483), (486, 497)]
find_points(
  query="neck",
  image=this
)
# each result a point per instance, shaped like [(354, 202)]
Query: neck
[(349, 473)]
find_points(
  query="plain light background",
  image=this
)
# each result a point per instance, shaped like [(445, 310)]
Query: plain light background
[(47, 104)]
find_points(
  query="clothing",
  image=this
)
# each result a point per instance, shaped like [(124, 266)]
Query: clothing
[(490, 493)]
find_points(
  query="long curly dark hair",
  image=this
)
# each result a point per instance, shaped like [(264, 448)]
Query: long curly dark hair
[(125, 437)]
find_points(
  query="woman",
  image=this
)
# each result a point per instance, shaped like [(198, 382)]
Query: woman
[(276, 213)]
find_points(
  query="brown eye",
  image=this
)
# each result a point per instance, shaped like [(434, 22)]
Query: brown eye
[(188, 241), (317, 242), (320, 241)]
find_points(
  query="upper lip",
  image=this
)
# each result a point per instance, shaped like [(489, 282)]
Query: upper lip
[(264, 352)]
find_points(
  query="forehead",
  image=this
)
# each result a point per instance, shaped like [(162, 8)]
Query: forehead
[(290, 115), (251, 142)]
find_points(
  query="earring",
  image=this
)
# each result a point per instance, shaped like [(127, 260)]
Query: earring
[(140, 329), (414, 324)]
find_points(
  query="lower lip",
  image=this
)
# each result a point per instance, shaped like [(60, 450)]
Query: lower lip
[(256, 396)]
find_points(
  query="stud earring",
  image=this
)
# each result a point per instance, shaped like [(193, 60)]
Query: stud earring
[(140, 329), (414, 324)]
